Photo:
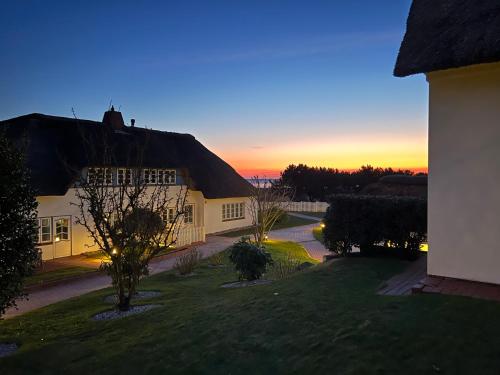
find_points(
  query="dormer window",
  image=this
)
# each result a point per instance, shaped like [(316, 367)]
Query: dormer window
[(150, 176), (124, 176), (166, 176), (100, 176)]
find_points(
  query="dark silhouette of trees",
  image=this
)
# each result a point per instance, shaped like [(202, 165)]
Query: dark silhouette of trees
[(18, 225), (317, 183)]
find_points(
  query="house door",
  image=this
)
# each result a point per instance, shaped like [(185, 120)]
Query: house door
[(62, 236)]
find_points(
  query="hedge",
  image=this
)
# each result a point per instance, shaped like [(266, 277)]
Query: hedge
[(374, 222)]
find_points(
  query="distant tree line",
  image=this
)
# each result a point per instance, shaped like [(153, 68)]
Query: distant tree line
[(317, 183)]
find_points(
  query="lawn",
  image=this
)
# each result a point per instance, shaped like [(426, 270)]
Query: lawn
[(60, 274), (326, 319), (318, 234), (288, 222)]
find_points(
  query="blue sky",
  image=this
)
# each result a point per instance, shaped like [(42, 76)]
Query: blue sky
[(261, 83)]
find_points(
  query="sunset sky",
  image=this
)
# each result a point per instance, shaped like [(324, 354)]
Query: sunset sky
[(261, 84)]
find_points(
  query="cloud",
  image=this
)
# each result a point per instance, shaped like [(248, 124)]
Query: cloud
[(257, 147), (284, 49)]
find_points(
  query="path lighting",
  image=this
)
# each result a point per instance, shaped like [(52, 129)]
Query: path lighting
[(114, 252), (266, 237), (322, 225)]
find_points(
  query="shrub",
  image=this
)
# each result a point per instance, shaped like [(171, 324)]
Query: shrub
[(282, 268), (250, 260), (18, 225), (217, 259), (187, 262), (371, 222)]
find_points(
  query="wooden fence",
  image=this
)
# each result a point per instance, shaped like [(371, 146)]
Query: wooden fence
[(190, 234), (307, 206)]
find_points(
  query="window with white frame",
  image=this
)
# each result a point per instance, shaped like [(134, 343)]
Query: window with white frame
[(166, 176), (44, 230), (62, 229), (99, 176), (150, 176), (233, 211), (169, 215), (124, 176), (189, 214)]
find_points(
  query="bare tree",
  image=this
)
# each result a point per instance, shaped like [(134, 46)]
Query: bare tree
[(130, 219), (268, 203)]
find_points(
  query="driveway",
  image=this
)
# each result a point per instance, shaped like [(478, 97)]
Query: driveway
[(214, 244)]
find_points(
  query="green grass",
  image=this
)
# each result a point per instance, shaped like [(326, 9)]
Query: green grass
[(288, 222), (318, 234), (326, 319), (60, 274)]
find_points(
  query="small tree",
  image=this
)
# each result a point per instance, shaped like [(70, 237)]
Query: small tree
[(130, 220), (268, 203), (18, 225)]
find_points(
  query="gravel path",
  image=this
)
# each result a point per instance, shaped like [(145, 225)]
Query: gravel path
[(7, 349)]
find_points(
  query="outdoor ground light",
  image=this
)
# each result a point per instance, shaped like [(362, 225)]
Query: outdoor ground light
[(114, 252), (322, 225)]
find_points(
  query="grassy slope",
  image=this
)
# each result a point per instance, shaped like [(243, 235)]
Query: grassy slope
[(326, 319), (290, 221), (63, 273)]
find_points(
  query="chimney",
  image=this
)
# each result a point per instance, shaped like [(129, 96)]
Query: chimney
[(113, 118), (132, 122)]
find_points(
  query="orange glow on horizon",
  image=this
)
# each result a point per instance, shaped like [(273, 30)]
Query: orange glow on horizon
[(344, 154)]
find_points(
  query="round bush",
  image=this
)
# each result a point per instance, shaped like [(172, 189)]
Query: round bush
[(249, 259)]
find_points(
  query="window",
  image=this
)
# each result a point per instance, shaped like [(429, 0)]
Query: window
[(233, 211), (124, 176), (108, 176), (166, 176), (62, 229), (169, 216), (150, 176), (44, 230), (100, 176), (188, 214)]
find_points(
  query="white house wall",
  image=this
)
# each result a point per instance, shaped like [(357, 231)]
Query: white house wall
[(464, 173), (55, 206), (213, 215)]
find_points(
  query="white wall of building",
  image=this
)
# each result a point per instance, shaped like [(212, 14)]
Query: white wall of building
[(213, 215), (79, 242), (464, 173)]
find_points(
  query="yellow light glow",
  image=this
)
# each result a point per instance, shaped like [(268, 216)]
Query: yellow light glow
[(114, 252), (57, 239), (322, 225), (424, 247)]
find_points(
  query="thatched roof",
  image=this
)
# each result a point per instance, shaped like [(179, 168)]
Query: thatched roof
[(444, 34), (57, 148)]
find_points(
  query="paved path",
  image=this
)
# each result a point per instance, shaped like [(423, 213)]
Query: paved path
[(214, 244), (403, 283), (304, 216), (302, 235)]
